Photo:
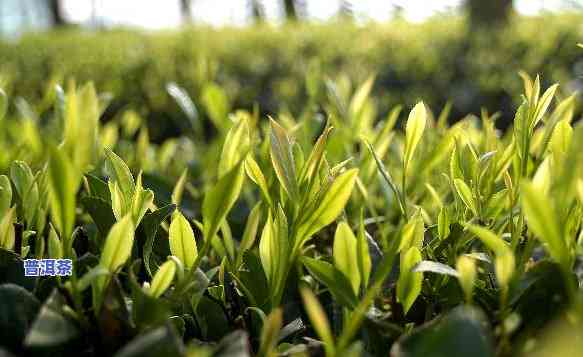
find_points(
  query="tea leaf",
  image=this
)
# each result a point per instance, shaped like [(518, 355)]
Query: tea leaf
[(270, 334), (363, 254), (283, 160), (414, 131), (333, 279), (219, 200), (182, 241), (434, 267), (64, 181), (466, 268), (254, 172), (5, 194), (318, 319), (345, 255), (120, 175), (179, 188), (162, 279), (465, 194), (409, 283), (330, 206), (7, 229), (118, 244), (541, 219)]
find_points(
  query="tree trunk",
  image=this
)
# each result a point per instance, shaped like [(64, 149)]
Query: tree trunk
[(257, 11), (186, 11), (290, 10), (57, 15), (489, 13)]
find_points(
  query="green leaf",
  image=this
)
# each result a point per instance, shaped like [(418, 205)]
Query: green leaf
[(363, 254), (51, 328), (220, 199), (55, 245), (541, 220), (319, 320), (270, 333), (98, 188), (179, 188), (412, 233), (18, 308), (120, 176), (162, 279), (312, 165), (236, 145), (443, 223), (461, 332), (251, 227), (333, 279), (182, 241), (330, 206), (413, 131), (27, 189), (428, 266), (543, 105), (409, 283), (161, 341), (283, 160), (254, 172), (101, 213), (465, 194), (5, 194), (345, 255), (216, 104), (150, 224), (490, 239), (64, 182), (504, 261), (273, 249), (118, 245), (7, 229), (466, 269), (141, 202)]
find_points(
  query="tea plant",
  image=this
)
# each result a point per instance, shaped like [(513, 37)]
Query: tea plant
[(292, 236)]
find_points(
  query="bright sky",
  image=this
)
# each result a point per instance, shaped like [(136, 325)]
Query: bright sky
[(165, 13)]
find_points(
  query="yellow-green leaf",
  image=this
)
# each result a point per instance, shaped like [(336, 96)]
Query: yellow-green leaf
[(5, 194), (413, 131), (466, 268), (181, 239), (64, 181), (318, 318), (345, 254), (282, 160), (118, 244), (465, 193), (330, 206), (542, 221), (162, 279), (219, 200), (409, 283)]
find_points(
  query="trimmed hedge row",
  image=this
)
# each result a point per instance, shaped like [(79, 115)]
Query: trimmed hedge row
[(437, 61)]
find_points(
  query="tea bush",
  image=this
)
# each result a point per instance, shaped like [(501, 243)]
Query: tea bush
[(297, 235)]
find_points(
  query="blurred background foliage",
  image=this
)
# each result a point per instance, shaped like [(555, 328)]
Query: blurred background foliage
[(282, 69)]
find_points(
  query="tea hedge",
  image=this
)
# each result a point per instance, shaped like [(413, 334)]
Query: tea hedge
[(299, 235), (283, 68)]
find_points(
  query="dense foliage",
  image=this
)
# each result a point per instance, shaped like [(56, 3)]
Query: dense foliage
[(284, 68), (343, 235)]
